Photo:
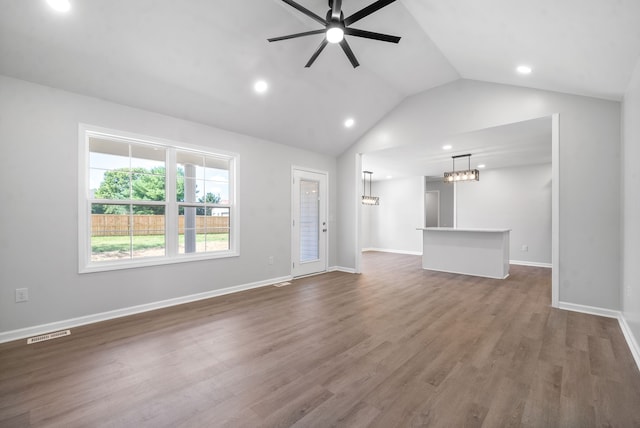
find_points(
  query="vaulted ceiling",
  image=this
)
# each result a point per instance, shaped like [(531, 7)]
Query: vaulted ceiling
[(199, 59)]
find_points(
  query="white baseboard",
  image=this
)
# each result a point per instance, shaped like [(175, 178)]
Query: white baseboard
[(534, 264), (631, 340), (592, 310), (388, 250), (37, 330), (341, 269), (609, 313)]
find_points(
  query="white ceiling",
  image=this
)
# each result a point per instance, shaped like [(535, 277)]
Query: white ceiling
[(198, 60), (517, 144)]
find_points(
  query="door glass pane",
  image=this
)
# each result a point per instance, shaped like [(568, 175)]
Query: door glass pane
[(309, 220)]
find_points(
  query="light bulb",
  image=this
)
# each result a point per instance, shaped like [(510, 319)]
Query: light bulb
[(335, 35)]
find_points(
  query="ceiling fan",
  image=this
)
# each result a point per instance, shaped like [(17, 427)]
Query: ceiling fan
[(337, 26)]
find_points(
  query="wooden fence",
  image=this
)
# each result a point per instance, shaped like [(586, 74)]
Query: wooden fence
[(118, 225)]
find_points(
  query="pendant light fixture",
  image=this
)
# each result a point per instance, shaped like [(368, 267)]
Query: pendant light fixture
[(462, 175), (368, 200)]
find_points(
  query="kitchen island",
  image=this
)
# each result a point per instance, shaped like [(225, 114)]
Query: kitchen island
[(479, 252)]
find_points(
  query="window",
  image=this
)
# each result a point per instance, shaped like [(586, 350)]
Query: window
[(147, 202)]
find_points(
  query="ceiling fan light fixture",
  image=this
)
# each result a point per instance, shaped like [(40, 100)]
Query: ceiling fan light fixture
[(336, 26), (335, 34)]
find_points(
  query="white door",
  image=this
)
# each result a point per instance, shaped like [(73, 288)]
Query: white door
[(309, 223), (432, 208)]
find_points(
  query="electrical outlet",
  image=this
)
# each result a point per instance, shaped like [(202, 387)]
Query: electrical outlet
[(524, 248), (22, 295), (270, 260)]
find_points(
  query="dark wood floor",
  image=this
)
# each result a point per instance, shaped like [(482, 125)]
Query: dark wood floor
[(395, 346)]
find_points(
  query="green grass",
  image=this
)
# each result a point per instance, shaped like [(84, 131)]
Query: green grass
[(104, 244)]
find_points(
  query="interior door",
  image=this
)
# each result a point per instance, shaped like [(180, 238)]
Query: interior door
[(309, 223), (432, 208)]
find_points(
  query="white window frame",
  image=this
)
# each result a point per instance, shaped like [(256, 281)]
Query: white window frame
[(85, 265)]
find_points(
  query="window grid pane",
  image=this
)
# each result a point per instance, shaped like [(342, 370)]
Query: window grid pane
[(202, 228), (309, 221), (130, 206)]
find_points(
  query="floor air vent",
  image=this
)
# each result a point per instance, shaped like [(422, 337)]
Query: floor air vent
[(281, 284), (48, 336)]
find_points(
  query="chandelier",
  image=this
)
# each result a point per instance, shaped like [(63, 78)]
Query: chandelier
[(368, 200), (462, 175)]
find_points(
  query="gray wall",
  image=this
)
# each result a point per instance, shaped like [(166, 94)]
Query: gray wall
[(38, 220), (589, 233), (515, 198), (631, 206), (393, 223)]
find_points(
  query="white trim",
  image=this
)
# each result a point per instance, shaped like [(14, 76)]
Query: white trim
[(358, 213), (631, 340), (592, 310), (85, 265), (534, 264), (22, 333), (327, 234), (389, 250), (555, 209), (467, 273), (341, 269), (609, 313)]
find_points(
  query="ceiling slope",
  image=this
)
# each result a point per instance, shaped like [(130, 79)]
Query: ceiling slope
[(198, 60)]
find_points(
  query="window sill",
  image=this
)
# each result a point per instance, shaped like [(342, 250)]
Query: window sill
[(155, 261)]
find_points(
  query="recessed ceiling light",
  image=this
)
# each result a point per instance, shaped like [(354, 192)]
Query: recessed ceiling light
[(260, 86), (59, 5), (524, 69), (389, 176), (349, 122), (447, 147), (481, 165)]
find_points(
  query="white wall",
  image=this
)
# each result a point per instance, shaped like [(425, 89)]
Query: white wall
[(38, 220), (631, 205), (393, 223), (514, 198), (589, 233)]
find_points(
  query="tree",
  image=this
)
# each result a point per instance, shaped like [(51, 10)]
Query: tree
[(116, 186), (137, 183), (209, 198), (145, 185)]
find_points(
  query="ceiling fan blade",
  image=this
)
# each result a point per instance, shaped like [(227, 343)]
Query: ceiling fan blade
[(293, 36), (305, 11), (371, 35), (366, 11), (316, 53), (336, 8), (347, 50)]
